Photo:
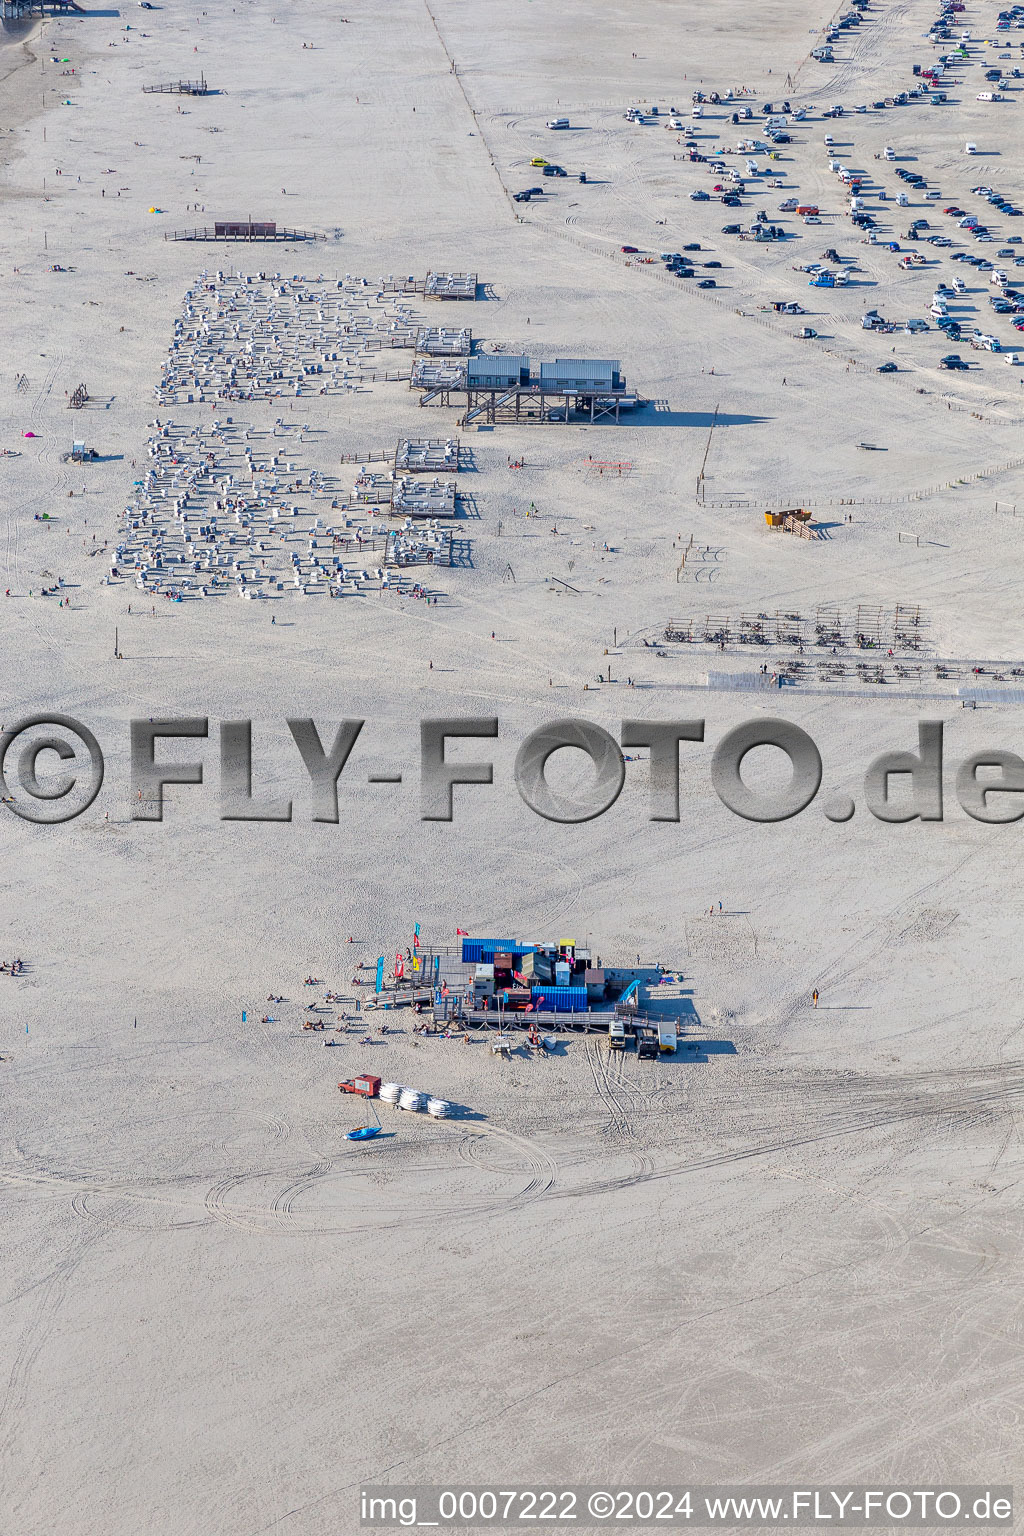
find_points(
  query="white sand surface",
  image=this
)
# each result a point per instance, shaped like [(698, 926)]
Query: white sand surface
[(796, 1258)]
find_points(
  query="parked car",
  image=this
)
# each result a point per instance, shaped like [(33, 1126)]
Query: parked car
[(706, 282), (630, 250)]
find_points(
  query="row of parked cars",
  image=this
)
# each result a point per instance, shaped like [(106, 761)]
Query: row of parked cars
[(731, 188), (1005, 300), (681, 264)]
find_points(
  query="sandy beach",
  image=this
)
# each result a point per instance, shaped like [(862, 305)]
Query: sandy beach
[(792, 1257)]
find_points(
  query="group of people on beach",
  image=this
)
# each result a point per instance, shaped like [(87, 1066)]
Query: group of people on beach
[(12, 968)]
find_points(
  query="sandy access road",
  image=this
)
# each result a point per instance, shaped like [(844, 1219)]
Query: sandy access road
[(796, 1257)]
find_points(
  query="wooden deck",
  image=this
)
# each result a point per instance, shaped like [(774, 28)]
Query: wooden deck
[(14, 10), (279, 236)]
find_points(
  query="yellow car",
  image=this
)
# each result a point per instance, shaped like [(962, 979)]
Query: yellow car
[(538, 161)]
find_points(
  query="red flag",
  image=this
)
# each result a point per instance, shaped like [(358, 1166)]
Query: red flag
[(461, 933), (399, 966), (415, 941)]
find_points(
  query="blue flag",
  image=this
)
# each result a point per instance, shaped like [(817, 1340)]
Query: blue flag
[(380, 973)]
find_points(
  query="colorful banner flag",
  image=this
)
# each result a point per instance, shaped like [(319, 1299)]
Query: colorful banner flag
[(462, 933), (380, 973)]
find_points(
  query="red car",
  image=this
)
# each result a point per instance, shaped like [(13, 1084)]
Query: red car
[(630, 250)]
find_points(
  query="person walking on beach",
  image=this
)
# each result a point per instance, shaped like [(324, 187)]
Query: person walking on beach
[(814, 997)]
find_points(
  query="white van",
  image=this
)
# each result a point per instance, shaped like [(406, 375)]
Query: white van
[(751, 168), (970, 149), (558, 122), (903, 200), (889, 152), (697, 111), (1014, 358)]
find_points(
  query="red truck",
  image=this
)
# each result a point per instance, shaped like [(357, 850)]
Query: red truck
[(364, 1084)]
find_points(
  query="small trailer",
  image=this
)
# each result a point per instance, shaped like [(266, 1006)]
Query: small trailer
[(365, 1084)]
